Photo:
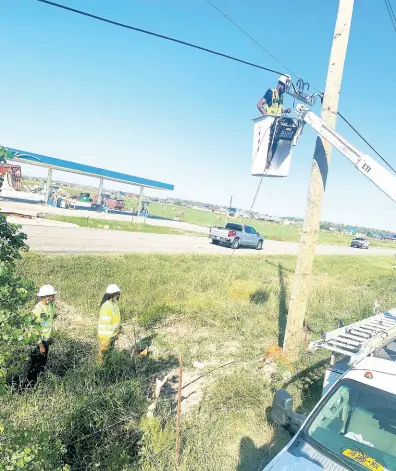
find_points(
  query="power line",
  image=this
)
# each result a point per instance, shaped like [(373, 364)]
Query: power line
[(251, 37), (256, 42), (393, 18), (392, 15), (371, 147), (211, 51), (161, 36)]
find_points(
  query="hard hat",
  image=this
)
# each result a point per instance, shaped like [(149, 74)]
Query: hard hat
[(112, 289), (284, 79), (46, 290)]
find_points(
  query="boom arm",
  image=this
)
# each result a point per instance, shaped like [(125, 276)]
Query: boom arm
[(369, 167)]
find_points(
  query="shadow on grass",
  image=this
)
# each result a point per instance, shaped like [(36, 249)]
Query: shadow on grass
[(310, 382), (252, 458), (276, 265), (282, 319), (67, 354), (103, 430), (260, 296)]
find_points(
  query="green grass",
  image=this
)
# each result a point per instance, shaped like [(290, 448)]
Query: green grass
[(206, 308), (118, 225), (270, 231), (273, 231)]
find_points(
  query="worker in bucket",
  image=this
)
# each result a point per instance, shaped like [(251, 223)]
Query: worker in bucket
[(109, 325), (44, 313), (272, 101)]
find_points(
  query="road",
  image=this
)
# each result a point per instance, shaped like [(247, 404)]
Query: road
[(64, 239)]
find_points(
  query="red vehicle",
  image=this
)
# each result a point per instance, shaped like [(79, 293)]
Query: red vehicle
[(115, 204), (110, 203)]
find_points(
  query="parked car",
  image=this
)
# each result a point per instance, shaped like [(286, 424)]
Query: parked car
[(236, 235), (360, 243)]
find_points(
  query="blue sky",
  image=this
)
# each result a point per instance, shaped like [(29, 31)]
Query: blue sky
[(78, 89)]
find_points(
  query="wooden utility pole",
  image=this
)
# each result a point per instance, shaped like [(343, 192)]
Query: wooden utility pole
[(302, 278)]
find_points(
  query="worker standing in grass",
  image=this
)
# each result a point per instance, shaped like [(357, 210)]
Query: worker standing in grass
[(44, 313), (109, 325)]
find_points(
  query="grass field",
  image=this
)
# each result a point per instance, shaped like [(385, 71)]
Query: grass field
[(119, 225), (208, 309), (273, 231), (270, 231)]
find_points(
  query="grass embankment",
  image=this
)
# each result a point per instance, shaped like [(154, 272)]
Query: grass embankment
[(128, 226), (209, 309)]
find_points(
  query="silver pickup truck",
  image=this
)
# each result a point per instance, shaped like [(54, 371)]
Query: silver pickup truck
[(236, 235)]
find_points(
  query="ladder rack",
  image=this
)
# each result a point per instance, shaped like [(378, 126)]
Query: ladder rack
[(360, 339)]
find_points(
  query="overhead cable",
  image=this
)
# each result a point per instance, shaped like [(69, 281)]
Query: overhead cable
[(393, 18), (391, 13), (211, 51), (256, 42), (157, 35), (371, 147)]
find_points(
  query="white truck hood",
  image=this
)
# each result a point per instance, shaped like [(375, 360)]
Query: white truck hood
[(303, 458), (287, 461)]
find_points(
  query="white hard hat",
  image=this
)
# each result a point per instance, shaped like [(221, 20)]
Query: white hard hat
[(284, 79), (46, 290), (112, 289)]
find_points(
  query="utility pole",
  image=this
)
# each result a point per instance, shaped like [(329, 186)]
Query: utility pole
[(302, 278), (227, 210)]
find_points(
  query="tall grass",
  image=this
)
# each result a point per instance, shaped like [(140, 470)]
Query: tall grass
[(208, 309)]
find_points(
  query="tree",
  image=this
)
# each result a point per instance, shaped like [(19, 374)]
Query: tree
[(17, 326)]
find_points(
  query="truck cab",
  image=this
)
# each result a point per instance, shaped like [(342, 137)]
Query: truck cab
[(353, 426)]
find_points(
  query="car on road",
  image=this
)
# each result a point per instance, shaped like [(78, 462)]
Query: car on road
[(236, 235), (360, 243)]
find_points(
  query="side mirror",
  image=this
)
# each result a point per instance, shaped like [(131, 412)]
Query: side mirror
[(282, 407), (282, 412)]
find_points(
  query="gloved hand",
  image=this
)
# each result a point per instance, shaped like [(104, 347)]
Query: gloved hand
[(287, 110)]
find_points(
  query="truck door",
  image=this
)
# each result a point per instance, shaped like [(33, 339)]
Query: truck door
[(250, 236)]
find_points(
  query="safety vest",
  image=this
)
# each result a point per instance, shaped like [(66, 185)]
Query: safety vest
[(109, 320), (277, 103), (45, 314)]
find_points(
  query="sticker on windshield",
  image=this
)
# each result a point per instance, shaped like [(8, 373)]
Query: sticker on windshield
[(363, 460)]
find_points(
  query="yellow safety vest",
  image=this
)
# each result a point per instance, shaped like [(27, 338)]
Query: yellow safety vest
[(109, 320), (45, 314), (277, 103)]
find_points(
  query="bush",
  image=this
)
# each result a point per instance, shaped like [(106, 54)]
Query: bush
[(17, 326), (30, 451)]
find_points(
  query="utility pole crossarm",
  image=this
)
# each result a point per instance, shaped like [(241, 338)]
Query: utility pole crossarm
[(369, 167)]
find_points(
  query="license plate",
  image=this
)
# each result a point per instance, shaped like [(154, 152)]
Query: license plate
[(363, 460)]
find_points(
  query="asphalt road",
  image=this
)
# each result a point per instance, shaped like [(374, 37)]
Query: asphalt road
[(63, 239)]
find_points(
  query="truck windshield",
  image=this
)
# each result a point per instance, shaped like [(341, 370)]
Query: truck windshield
[(357, 425)]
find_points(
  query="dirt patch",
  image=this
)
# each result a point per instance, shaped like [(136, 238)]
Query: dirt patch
[(71, 321), (193, 388)]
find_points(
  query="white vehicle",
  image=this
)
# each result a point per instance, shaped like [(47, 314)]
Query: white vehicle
[(353, 427), (236, 235), (360, 243)]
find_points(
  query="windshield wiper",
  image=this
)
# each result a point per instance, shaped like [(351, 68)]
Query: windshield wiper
[(332, 454)]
